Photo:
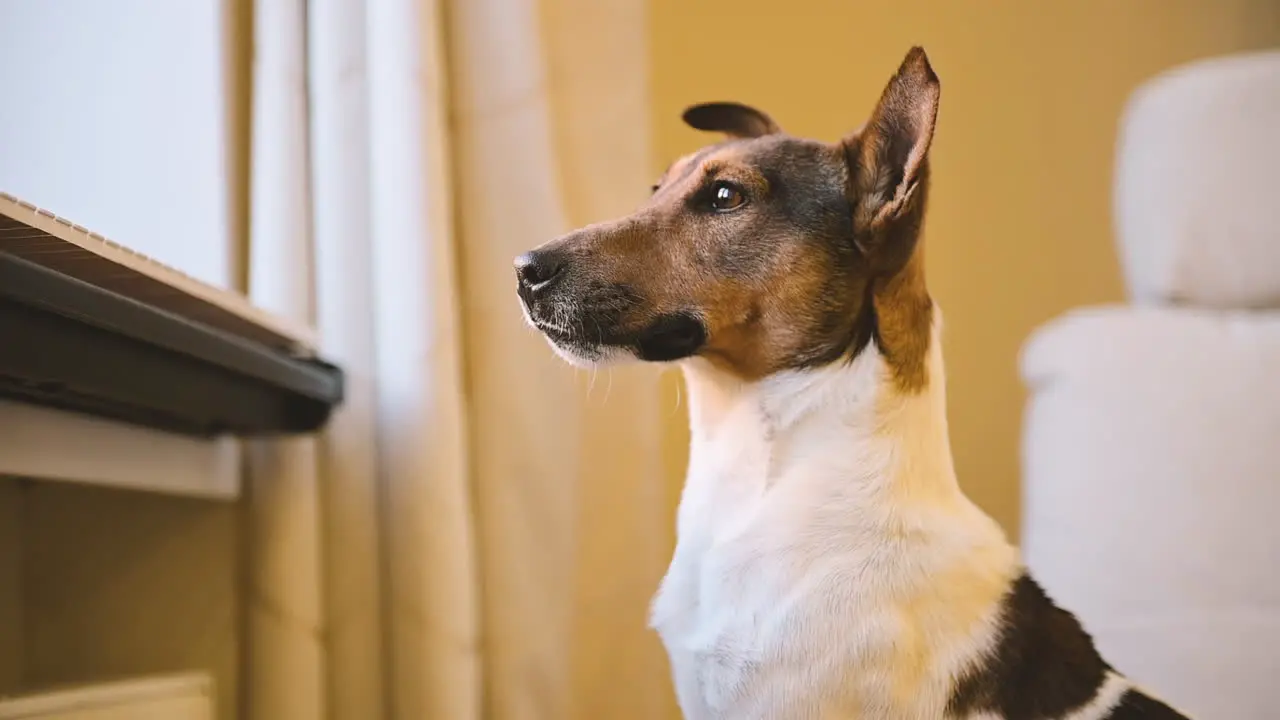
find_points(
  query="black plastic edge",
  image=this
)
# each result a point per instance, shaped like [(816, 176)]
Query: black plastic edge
[(67, 344)]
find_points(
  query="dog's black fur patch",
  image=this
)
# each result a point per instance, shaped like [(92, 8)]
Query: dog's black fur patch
[(1043, 665), (671, 337), (1136, 706)]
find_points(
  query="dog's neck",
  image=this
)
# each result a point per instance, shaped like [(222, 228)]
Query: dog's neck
[(848, 424)]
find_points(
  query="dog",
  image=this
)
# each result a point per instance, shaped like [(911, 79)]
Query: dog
[(827, 563)]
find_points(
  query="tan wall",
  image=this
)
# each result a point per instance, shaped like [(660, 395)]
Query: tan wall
[(1019, 228)]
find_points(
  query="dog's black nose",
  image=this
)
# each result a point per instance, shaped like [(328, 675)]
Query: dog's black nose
[(537, 269)]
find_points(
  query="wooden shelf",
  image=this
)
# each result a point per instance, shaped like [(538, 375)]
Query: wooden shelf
[(176, 697), (88, 327)]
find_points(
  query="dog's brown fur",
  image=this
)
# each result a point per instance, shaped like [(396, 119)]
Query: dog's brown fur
[(821, 257)]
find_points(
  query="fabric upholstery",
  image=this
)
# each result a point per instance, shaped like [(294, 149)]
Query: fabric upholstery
[(1151, 460), (1196, 199)]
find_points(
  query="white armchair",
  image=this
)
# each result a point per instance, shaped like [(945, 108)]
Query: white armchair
[(1151, 450)]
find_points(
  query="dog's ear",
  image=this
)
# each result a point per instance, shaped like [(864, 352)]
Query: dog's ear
[(733, 119), (887, 157)]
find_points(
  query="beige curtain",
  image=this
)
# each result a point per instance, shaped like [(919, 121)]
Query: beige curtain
[(550, 132), (479, 531)]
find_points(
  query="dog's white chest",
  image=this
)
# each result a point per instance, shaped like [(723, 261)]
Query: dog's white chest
[(801, 588), (759, 625), (766, 615)]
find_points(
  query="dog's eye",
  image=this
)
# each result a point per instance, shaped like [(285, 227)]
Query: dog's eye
[(726, 196)]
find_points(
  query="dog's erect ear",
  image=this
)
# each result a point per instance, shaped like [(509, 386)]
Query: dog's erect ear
[(887, 156), (733, 119)]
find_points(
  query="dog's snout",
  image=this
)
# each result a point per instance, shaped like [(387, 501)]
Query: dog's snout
[(537, 269)]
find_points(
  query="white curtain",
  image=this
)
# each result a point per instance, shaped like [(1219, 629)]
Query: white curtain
[(476, 534), (433, 618)]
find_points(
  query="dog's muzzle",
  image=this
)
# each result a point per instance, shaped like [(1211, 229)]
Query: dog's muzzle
[(590, 320), (537, 272), (539, 277)]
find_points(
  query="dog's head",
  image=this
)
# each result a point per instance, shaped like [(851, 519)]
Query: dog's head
[(761, 253)]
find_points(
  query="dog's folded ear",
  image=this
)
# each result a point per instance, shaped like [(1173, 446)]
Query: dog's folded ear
[(733, 119), (887, 157)]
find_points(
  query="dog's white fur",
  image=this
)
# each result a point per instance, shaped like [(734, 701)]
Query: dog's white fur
[(828, 565)]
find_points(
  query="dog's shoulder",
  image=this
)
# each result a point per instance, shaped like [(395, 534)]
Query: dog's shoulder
[(1044, 664)]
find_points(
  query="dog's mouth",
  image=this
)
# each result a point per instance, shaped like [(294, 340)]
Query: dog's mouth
[(563, 332), (563, 336), (588, 336)]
